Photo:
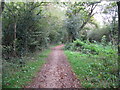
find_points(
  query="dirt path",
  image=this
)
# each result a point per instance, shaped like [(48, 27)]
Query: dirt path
[(56, 73)]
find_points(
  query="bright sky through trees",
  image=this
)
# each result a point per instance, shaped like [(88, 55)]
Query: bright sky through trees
[(100, 16)]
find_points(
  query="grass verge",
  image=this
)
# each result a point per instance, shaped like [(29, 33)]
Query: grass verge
[(95, 71), (17, 77)]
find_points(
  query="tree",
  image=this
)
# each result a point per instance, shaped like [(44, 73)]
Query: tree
[(118, 3), (19, 24), (2, 6), (78, 15), (28, 27), (109, 13)]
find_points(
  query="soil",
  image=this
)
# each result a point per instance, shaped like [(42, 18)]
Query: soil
[(56, 73)]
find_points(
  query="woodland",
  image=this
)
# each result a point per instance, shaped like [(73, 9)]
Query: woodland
[(89, 31)]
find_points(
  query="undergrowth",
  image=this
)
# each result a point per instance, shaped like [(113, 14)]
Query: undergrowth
[(95, 64), (17, 76)]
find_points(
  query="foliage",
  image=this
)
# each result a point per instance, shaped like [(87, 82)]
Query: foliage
[(36, 27), (95, 70), (78, 15), (89, 48), (110, 11), (15, 76), (21, 14), (98, 33)]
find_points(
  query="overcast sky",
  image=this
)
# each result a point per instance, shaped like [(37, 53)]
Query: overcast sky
[(100, 17)]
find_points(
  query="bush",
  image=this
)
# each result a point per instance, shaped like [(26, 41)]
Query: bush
[(78, 43), (69, 46), (89, 48), (95, 70)]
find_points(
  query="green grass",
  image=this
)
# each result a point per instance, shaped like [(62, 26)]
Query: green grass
[(13, 78), (95, 71)]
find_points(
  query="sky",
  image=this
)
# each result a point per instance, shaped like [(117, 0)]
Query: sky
[(100, 17)]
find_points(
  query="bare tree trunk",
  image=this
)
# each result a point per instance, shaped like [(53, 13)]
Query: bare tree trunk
[(118, 3), (2, 6), (14, 44)]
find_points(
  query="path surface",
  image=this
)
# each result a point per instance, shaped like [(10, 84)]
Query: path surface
[(56, 73)]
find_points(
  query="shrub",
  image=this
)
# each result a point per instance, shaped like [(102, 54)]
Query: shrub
[(89, 48)]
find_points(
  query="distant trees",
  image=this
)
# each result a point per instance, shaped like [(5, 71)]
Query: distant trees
[(78, 15), (21, 22), (80, 19), (27, 27), (110, 15)]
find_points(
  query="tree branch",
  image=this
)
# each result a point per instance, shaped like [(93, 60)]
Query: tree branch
[(90, 14), (10, 10)]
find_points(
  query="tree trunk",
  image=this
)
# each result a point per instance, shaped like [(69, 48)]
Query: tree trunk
[(118, 3), (2, 6), (14, 44)]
